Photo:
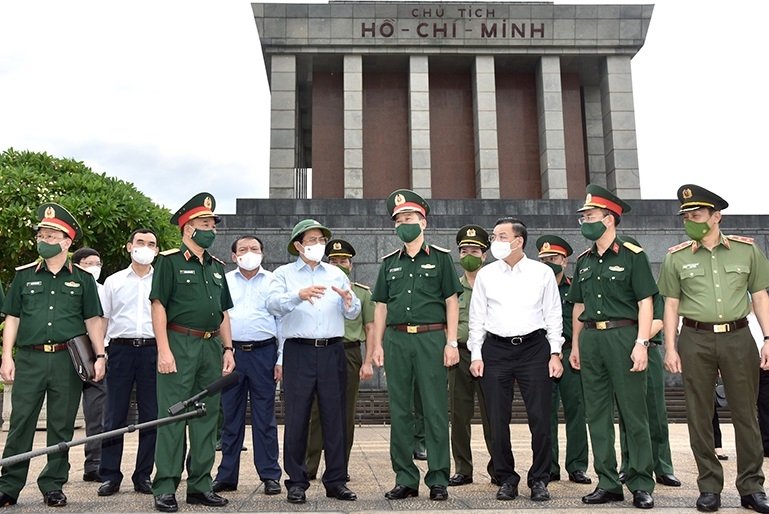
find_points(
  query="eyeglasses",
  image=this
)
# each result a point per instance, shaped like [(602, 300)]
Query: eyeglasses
[(589, 219), (314, 240), (50, 238), (503, 238)]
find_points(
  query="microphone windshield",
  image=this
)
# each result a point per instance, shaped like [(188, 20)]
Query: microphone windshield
[(221, 383)]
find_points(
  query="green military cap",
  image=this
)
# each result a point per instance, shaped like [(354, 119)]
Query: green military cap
[(54, 216), (553, 245), (473, 235), (302, 227), (600, 198), (406, 200), (693, 197), (201, 205), (339, 248)]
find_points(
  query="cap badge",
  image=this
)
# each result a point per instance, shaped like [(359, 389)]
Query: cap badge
[(337, 246), (470, 232), (207, 202), (399, 199), (686, 193), (50, 212), (546, 246), (588, 198)]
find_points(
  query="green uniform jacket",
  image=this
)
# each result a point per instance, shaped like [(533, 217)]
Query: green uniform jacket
[(567, 308)]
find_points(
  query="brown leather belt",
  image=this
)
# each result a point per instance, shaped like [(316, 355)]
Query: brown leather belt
[(49, 348), (418, 329), (615, 323), (317, 343), (718, 328), (192, 332)]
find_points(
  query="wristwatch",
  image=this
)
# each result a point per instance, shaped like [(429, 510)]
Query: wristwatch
[(452, 344), (642, 342), (228, 349)]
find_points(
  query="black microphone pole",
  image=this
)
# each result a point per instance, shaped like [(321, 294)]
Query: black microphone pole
[(213, 388)]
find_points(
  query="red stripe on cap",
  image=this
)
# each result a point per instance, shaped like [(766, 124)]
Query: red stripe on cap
[(554, 249), (60, 224), (606, 204), (409, 205), (187, 216)]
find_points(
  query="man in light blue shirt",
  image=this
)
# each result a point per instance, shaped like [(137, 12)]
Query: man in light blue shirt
[(312, 300), (255, 339)]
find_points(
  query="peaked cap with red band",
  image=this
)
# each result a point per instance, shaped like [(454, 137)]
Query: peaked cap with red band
[(553, 245), (56, 217), (600, 198), (406, 200), (201, 205)]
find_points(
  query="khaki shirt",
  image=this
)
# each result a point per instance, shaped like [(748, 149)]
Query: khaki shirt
[(354, 329), (463, 329), (713, 286)]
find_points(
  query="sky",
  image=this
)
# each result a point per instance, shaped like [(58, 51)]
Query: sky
[(172, 95)]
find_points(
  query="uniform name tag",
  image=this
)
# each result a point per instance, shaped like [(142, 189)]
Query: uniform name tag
[(217, 275), (71, 284), (35, 283), (428, 266), (393, 270), (693, 265), (186, 271), (616, 268), (584, 270)]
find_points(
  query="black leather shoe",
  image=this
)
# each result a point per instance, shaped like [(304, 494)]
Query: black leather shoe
[(143, 486), (602, 496), (460, 479), (580, 477), (555, 477), (342, 493), (218, 487), (108, 488), (420, 454), (55, 499), (400, 492), (6, 500), (708, 502), (622, 477), (539, 492), (495, 481), (642, 500), (439, 493), (755, 501), (296, 495), (166, 502), (669, 480), (91, 476), (209, 499), (271, 487), (507, 492)]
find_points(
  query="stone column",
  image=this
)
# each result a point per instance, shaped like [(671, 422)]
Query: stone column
[(619, 127), (552, 146), (419, 124), (283, 115), (596, 157), (353, 126), (485, 111)]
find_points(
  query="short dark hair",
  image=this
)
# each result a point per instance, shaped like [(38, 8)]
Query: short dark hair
[(617, 217), (83, 253), (248, 236), (141, 231), (519, 228)]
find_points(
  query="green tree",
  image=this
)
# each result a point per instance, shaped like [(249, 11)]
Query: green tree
[(107, 209)]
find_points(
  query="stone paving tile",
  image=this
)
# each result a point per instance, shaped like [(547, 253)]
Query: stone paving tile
[(372, 476)]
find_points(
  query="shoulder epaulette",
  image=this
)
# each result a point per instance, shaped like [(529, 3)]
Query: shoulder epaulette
[(681, 246), (364, 286), (391, 253), (217, 259), (741, 239), (633, 248), (440, 248), (170, 252), (583, 253), (25, 266)]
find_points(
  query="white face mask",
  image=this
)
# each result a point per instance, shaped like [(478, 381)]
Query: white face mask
[(501, 249), (249, 261), (315, 252), (94, 270), (143, 255)]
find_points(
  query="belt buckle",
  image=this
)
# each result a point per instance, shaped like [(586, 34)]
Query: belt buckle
[(246, 347), (601, 325), (516, 340), (722, 328), (207, 335), (412, 329), (321, 343), (49, 348), (136, 343)]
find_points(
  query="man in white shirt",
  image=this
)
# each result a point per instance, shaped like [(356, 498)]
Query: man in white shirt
[(516, 336), (132, 360), (255, 339)]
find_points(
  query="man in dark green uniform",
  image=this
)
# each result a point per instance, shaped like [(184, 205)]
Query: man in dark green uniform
[(49, 302), (706, 281), (416, 316), (356, 331), (473, 245), (612, 294), (189, 299), (555, 251)]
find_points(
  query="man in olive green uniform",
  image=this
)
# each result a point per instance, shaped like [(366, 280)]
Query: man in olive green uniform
[(612, 294), (473, 245), (340, 254), (655, 404), (189, 299), (49, 302), (706, 281), (416, 316), (555, 251)]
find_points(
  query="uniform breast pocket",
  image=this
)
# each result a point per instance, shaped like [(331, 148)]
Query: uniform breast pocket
[(396, 281), (217, 281), (737, 275), (187, 278), (33, 296), (429, 281), (585, 281), (689, 274)]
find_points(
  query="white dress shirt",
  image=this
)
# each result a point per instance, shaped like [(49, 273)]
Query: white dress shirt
[(514, 302), (126, 304)]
